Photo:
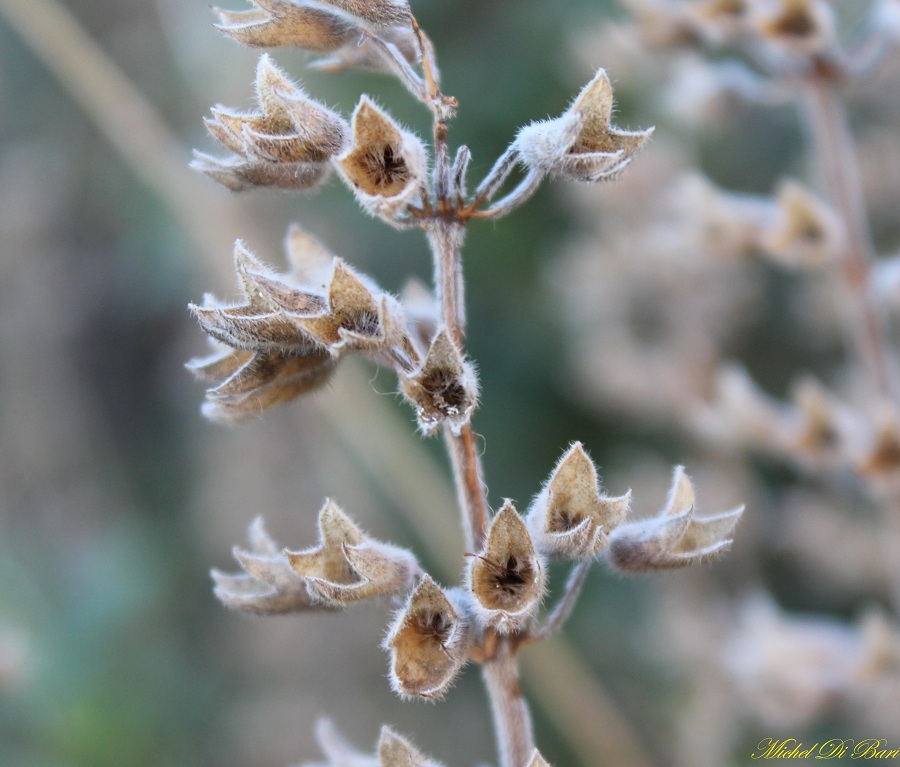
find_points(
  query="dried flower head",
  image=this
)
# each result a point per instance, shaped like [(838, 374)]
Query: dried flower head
[(279, 23), (429, 642), (507, 576), (571, 518), (369, 54), (806, 231), (268, 585), (289, 144), (386, 165), (444, 389), (537, 760), (347, 566), (674, 538), (581, 145), (795, 27), (378, 13)]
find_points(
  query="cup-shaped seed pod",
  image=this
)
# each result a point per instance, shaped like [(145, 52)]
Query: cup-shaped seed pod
[(429, 642), (268, 584), (581, 145), (674, 538), (278, 23), (397, 751), (347, 566), (571, 518), (444, 389), (386, 165), (507, 577)]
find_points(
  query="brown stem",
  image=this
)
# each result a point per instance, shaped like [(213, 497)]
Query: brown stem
[(512, 720), (835, 153)]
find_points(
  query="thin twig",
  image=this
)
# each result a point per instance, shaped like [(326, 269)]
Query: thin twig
[(512, 722), (566, 604)]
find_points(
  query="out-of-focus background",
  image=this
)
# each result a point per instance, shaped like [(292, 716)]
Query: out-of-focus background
[(116, 497)]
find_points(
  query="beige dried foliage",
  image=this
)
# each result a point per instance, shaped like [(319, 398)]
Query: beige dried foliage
[(571, 518), (429, 642), (537, 760), (386, 165), (284, 23), (582, 144), (444, 389), (507, 576), (378, 13), (348, 566), (675, 537)]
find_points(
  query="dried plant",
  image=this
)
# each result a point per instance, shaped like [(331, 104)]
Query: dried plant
[(287, 332), (706, 254)]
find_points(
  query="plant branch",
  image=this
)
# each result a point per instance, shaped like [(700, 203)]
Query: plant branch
[(835, 153), (566, 604), (512, 720)]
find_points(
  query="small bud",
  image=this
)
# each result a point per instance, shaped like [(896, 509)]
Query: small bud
[(386, 165), (268, 585), (278, 23), (395, 751), (444, 389), (429, 642), (348, 566), (581, 145), (674, 538), (570, 518), (507, 576)]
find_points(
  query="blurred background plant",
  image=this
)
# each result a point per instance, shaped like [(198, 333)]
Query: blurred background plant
[(115, 497)]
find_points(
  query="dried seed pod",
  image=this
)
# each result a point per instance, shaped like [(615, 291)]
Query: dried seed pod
[(385, 166), (796, 28), (429, 642), (377, 13), (571, 518), (444, 389), (581, 145), (289, 144), (805, 232), (396, 751), (507, 576), (674, 538), (347, 566), (268, 585), (256, 381), (279, 23)]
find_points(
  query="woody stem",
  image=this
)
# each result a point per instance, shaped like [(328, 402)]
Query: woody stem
[(512, 720)]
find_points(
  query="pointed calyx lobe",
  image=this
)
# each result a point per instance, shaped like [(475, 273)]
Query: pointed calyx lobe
[(507, 577), (268, 584), (444, 389), (581, 144), (347, 566), (675, 537), (429, 642), (571, 518)]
